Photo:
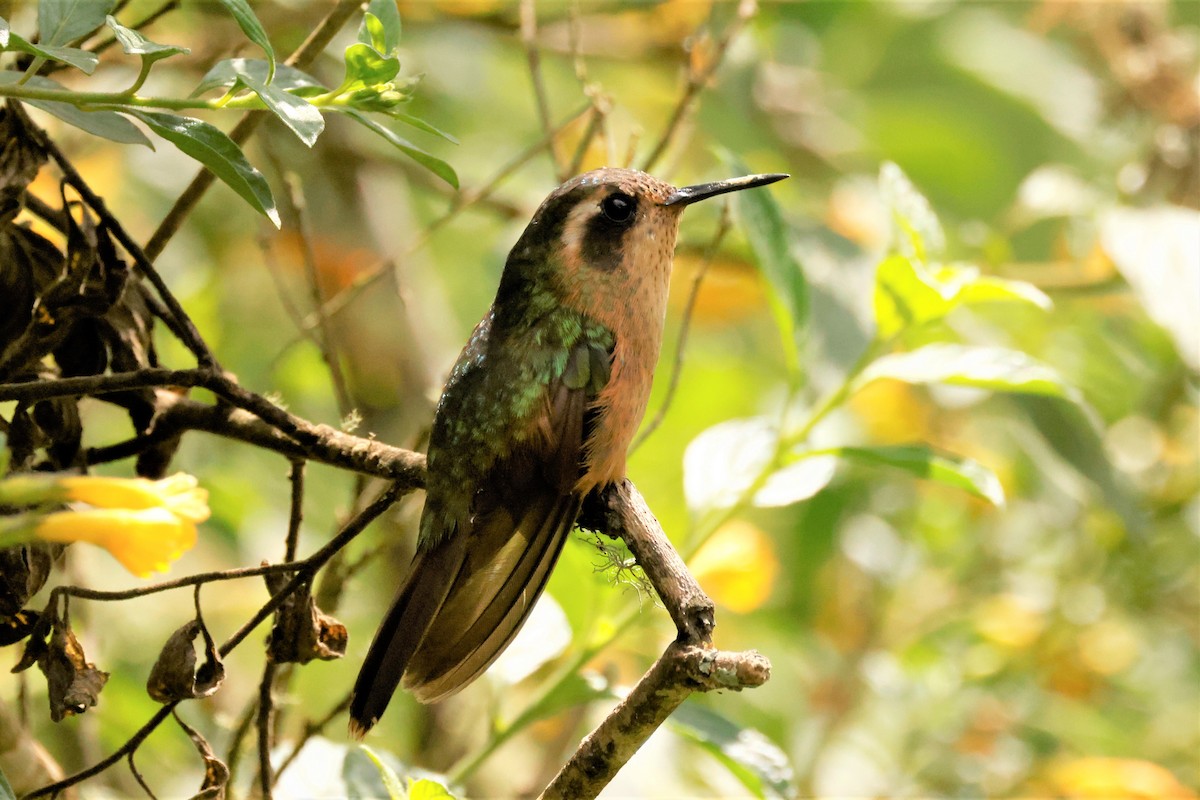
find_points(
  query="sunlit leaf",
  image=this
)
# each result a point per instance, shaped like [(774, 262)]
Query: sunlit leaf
[(107, 124), (757, 762), (225, 73), (905, 295), (432, 163), (426, 789), (767, 233), (4, 32), (365, 65), (301, 117), (987, 289), (1157, 251), (909, 292), (802, 476), (916, 230), (924, 462), (543, 637), (215, 150), (723, 463), (994, 368), (134, 44), (63, 21), (248, 22), (381, 26)]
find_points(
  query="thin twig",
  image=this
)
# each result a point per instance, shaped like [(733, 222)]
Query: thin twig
[(723, 225), (311, 729), (296, 515), (304, 570), (342, 299), (184, 327), (326, 341), (274, 428), (137, 776), (333, 447), (698, 79), (266, 708), (528, 14), (233, 754), (594, 124)]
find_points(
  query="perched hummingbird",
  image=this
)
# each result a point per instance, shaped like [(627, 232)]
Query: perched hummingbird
[(539, 410)]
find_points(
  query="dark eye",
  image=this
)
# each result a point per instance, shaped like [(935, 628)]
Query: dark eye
[(619, 207)]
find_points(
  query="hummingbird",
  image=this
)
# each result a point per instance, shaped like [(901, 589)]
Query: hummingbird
[(538, 411)]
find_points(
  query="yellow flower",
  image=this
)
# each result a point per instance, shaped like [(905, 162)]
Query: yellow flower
[(180, 494), (737, 566), (1099, 778), (144, 524), (144, 540)]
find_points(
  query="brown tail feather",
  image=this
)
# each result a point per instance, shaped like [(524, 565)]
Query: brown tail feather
[(429, 580), (507, 568)]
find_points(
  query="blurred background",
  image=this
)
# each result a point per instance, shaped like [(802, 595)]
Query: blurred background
[(924, 641)]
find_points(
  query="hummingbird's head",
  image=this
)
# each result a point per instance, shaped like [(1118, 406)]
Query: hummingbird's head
[(608, 235)]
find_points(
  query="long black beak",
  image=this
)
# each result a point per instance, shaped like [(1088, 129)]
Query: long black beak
[(701, 191)]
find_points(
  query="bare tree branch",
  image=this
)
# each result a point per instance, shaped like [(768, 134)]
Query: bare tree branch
[(681, 670), (690, 664)]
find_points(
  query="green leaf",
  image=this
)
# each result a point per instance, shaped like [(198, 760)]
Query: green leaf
[(107, 124), (244, 14), (1075, 438), (215, 150), (80, 59), (226, 73), (381, 26), (994, 368), (301, 116), (63, 21), (134, 44), (370, 32), (430, 162), (366, 66), (768, 237), (425, 789), (420, 124), (916, 231), (909, 292), (924, 462), (905, 295), (1000, 290), (391, 781), (761, 765)]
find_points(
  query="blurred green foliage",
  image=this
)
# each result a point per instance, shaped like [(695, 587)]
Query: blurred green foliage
[(925, 641)]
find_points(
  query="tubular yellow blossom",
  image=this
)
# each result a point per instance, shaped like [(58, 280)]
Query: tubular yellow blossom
[(144, 540), (180, 493), (145, 524)]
